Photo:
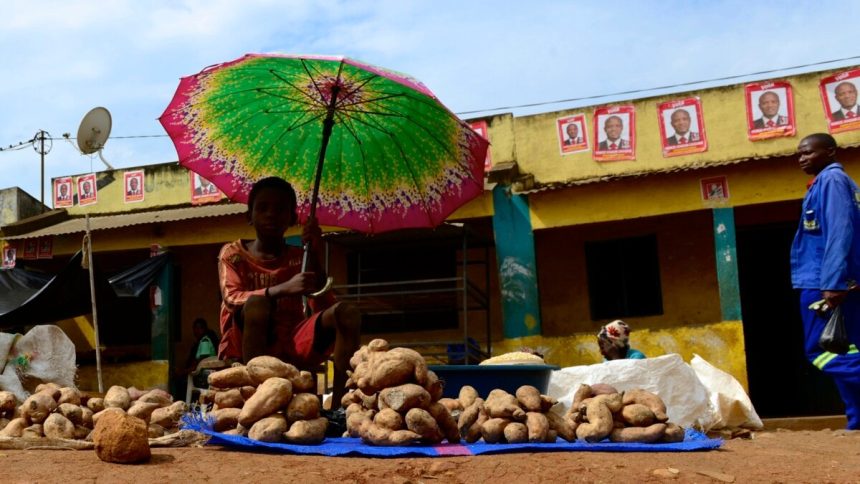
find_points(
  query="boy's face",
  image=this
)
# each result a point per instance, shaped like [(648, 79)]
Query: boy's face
[(272, 214)]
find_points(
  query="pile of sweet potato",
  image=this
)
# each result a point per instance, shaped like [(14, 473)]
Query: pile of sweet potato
[(266, 400), (600, 411), (525, 416), (395, 399), (67, 413)]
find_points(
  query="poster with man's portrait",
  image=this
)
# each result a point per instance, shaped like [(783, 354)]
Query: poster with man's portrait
[(615, 131), (46, 248), (770, 110), (481, 128), (63, 192), (839, 95), (682, 127), (203, 190), (572, 135), (9, 257), (30, 249), (87, 192), (133, 183), (715, 189)]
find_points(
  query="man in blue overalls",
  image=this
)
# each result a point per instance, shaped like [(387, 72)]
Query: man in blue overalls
[(825, 263)]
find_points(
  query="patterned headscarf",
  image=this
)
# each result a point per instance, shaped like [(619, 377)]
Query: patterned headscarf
[(616, 332)]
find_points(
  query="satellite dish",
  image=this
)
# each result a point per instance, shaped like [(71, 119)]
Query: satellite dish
[(94, 130)]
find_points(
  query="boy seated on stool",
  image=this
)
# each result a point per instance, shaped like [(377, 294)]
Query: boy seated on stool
[(262, 287)]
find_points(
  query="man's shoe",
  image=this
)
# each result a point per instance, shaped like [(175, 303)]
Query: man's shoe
[(336, 422)]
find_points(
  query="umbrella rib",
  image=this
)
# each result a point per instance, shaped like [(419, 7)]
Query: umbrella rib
[(284, 133), (317, 102), (347, 124)]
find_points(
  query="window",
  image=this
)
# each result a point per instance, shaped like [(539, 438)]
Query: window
[(623, 278)]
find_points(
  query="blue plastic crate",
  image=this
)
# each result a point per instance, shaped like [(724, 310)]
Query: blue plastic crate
[(489, 377)]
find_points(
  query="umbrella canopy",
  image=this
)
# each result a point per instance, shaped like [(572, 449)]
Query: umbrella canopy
[(391, 157)]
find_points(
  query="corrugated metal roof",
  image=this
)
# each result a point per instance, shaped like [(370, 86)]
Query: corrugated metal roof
[(107, 222)]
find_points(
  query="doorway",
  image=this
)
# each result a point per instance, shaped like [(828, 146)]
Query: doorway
[(782, 382)]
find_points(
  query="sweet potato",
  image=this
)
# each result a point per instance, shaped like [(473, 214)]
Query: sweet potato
[(7, 403), (646, 435), (303, 406), (86, 417), (271, 396), (117, 397), (637, 415), (376, 435), (69, 395), (229, 399), (71, 412), (81, 432), (156, 395), (467, 396), (155, 431), (476, 431), (422, 423), (584, 391), (434, 386), (135, 393), (551, 436), (168, 417), (529, 398), (307, 432), (673, 433), (613, 401), (493, 430), (445, 421), (52, 388), (563, 427), (404, 397), (358, 422), (537, 425), (143, 410), (469, 416), (304, 382), (98, 415), (14, 427), (35, 431), (269, 429), (452, 404), (366, 401), (546, 403), (600, 423), (349, 398), (516, 433), (3, 422), (57, 426), (261, 368), (650, 400), (247, 391), (225, 419), (382, 369), (96, 404), (501, 404), (37, 407), (236, 376), (388, 419), (602, 389)]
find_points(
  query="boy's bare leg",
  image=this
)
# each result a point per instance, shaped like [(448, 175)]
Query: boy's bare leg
[(255, 315), (346, 320)]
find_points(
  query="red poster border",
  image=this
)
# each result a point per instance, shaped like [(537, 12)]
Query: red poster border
[(95, 198), (202, 199), (560, 122), (617, 155), (693, 147), (777, 131), (723, 180), (63, 203), (126, 176), (48, 243), (482, 124), (841, 125)]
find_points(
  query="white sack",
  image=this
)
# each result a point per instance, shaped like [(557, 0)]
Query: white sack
[(729, 402), (50, 356), (668, 376)]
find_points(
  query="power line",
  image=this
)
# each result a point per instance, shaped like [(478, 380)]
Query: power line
[(20, 146), (659, 88)]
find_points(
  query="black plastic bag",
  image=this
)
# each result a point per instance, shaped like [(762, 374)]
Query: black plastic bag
[(834, 338)]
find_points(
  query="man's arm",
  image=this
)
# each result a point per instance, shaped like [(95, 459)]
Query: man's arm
[(232, 287), (838, 216)]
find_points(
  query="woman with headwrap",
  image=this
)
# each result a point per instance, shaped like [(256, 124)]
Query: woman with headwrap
[(614, 342)]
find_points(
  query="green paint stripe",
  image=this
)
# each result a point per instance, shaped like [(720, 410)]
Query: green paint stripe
[(824, 358)]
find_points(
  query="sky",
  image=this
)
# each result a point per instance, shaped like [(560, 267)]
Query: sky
[(62, 58)]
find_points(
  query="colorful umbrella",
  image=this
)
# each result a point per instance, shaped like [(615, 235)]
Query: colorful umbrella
[(379, 147)]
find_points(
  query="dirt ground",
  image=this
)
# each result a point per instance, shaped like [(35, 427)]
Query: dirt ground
[(770, 456)]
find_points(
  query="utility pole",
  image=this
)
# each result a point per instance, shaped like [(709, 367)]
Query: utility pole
[(42, 149)]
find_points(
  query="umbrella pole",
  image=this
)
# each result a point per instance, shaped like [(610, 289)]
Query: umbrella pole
[(89, 255)]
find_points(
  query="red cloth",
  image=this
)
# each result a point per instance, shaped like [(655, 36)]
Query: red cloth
[(240, 276)]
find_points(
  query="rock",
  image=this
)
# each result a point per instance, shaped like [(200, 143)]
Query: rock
[(718, 476), (121, 438), (664, 474)]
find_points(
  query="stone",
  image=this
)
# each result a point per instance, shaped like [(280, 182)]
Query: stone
[(121, 438), (664, 474)]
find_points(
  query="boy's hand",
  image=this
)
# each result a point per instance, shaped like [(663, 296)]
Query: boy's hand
[(301, 284), (311, 233)]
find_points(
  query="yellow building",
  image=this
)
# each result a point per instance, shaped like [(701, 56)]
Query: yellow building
[(690, 250)]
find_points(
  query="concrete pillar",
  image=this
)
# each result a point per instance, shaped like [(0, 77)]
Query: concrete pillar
[(725, 247)]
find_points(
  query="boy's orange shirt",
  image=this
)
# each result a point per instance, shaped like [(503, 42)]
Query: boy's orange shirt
[(241, 275)]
